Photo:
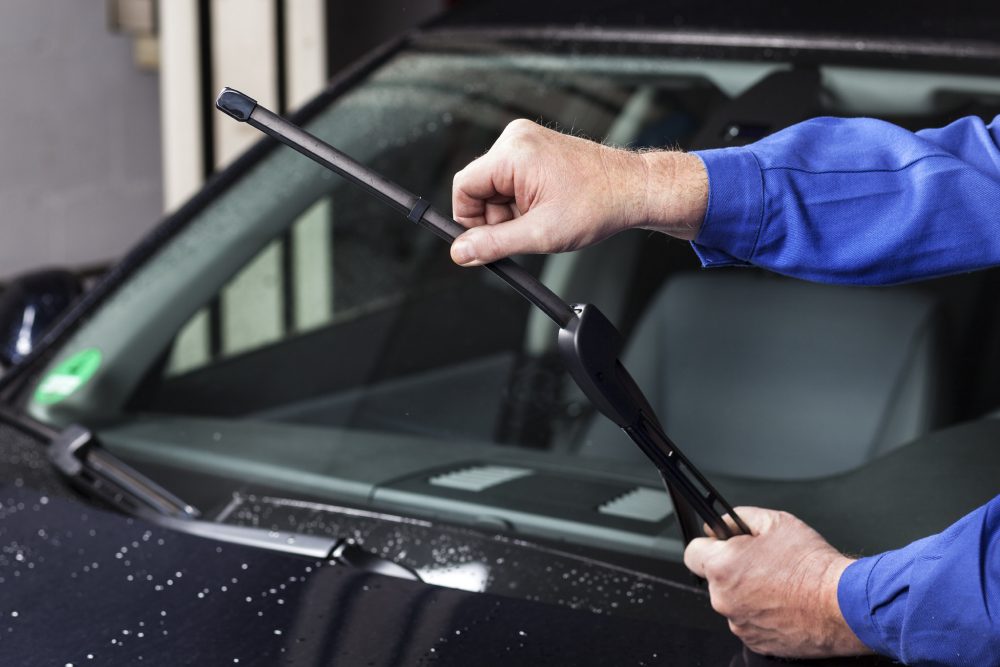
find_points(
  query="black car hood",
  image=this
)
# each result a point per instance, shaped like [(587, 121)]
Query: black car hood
[(82, 586)]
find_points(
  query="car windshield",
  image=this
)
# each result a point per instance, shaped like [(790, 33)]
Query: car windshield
[(299, 335)]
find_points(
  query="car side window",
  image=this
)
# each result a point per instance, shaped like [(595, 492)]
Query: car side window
[(286, 289), (344, 255)]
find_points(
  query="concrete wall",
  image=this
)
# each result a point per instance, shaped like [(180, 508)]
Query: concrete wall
[(79, 137)]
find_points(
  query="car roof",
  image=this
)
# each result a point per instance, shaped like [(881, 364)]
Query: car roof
[(915, 20)]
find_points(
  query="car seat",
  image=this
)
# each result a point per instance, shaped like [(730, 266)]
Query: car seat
[(762, 377)]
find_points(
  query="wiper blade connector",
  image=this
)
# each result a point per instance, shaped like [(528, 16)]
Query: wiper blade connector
[(590, 345)]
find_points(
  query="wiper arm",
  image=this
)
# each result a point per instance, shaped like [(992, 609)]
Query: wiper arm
[(588, 342), (77, 454), (338, 550)]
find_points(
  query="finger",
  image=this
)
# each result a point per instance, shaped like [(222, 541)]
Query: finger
[(498, 213), (729, 521), (483, 180), (466, 210), (742, 628), (700, 550), (734, 528), (489, 243), (758, 519), (738, 629), (752, 636)]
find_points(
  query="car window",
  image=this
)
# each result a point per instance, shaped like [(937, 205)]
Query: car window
[(299, 334), (345, 260)]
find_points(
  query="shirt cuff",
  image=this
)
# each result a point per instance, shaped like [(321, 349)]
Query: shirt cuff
[(852, 596), (735, 211)]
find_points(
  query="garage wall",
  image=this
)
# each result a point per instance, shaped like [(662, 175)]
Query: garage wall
[(79, 137), (83, 173)]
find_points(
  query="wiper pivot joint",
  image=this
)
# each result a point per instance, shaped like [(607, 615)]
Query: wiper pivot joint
[(590, 346)]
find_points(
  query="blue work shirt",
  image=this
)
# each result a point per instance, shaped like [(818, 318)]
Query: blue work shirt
[(861, 201)]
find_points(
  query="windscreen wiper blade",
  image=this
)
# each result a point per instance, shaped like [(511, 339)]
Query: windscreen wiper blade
[(76, 453), (588, 342), (78, 456)]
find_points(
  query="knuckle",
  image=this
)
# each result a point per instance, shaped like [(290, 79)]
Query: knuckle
[(519, 132), (519, 126), (718, 572), (722, 605), (782, 518)]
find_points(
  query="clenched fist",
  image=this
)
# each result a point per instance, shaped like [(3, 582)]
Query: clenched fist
[(778, 587), (539, 191)]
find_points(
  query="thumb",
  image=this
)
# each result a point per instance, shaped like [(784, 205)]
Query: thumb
[(488, 243)]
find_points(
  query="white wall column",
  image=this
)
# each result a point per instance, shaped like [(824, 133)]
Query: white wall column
[(181, 136), (182, 140), (312, 234)]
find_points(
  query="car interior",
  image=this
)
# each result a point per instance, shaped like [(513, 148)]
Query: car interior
[(855, 372), (820, 399), (771, 379)]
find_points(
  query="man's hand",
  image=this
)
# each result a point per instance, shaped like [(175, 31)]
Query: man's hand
[(778, 588), (540, 191)]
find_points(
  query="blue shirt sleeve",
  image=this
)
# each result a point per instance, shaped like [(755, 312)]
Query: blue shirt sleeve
[(936, 601), (857, 201)]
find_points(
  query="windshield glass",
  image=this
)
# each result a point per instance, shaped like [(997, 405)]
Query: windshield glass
[(299, 334)]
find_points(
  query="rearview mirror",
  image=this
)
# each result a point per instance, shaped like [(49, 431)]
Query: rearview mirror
[(29, 306)]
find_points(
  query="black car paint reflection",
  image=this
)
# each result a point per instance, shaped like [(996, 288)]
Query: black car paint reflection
[(99, 588), (459, 558), (106, 590)]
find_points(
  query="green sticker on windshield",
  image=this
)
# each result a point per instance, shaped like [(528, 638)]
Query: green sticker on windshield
[(68, 376)]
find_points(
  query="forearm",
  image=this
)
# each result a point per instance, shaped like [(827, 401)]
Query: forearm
[(674, 191), (856, 201), (832, 200)]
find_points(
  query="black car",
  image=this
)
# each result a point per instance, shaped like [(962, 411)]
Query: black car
[(295, 433)]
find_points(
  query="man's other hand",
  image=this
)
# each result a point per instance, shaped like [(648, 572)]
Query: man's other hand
[(539, 191), (778, 587)]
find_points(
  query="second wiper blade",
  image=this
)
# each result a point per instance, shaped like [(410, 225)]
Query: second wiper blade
[(75, 452), (588, 342)]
